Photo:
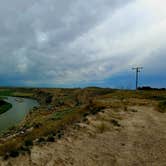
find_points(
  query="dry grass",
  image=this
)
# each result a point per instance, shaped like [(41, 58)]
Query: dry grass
[(48, 127), (76, 105), (23, 94), (102, 127)]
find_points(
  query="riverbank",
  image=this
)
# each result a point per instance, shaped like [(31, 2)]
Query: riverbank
[(63, 110), (4, 106), (19, 110), (110, 137)]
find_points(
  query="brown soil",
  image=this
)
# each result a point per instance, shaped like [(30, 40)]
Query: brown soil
[(136, 136)]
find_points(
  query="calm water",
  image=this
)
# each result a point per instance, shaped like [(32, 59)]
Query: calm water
[(20, 107)]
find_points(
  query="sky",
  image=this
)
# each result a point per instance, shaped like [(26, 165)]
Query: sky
[(76, 43)]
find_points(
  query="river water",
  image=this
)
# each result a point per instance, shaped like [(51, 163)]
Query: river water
[(20, 107)]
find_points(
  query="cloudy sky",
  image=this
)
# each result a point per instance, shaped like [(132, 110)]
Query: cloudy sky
[(72, 43)]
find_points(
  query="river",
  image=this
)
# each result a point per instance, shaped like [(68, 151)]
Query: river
[(20, 107)]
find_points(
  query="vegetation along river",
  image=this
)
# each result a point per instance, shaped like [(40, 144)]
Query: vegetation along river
[(20, 107)]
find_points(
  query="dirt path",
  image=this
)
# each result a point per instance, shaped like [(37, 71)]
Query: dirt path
[(120, 138)]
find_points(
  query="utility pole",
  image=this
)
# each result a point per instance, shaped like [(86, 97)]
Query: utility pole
[(138, 70)]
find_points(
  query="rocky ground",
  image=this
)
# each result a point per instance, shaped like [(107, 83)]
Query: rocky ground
[(134, 136)]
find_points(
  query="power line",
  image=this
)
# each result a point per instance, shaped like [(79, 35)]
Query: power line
[(138, 70)]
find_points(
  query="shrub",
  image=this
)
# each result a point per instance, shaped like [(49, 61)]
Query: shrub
[(25, 148), (52, 133), (41, 139), (37, 125), (14, 153), (162, 106), (28, 143), (50, 138), (48, 99), (60, 134), (5, 157)]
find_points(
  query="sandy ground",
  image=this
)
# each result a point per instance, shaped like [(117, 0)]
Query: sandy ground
[(139, 140)]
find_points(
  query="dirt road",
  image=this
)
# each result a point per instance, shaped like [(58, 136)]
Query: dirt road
[(135, 137)]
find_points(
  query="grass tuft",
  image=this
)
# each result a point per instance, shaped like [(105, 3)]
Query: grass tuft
[(102, 127)]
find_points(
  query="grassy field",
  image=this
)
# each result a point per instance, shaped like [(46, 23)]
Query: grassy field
[(28, 93), (61, 108)]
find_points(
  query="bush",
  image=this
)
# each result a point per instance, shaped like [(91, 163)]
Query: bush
[(50, 138), (37, 125), (14, 153), (5, 157), (48, 99), (60, 134), (162, 106), (25, 148), (41, 139), (28, 143)]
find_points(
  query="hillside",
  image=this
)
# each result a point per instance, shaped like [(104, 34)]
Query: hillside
[(91, 126)]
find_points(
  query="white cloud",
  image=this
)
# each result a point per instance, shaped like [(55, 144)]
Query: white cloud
[(65, 42)]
